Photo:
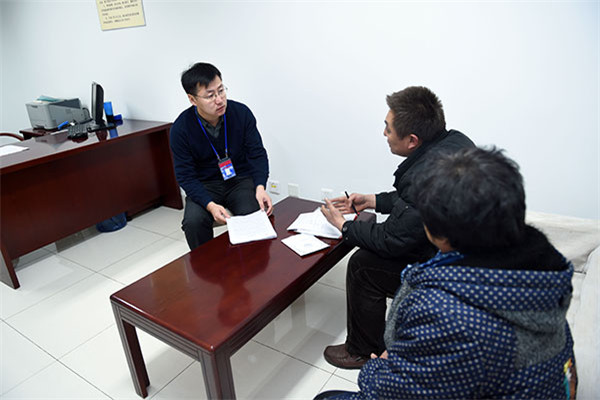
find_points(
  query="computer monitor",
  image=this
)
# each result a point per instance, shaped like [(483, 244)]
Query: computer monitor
[(97, 104)]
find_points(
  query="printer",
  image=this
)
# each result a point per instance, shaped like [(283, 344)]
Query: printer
[(49, 113)]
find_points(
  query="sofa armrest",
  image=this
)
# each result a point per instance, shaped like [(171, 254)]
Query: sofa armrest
[(574, 237), (586, 329)]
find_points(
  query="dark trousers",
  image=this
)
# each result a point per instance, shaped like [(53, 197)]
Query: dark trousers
[(370, 280), (237, 194)]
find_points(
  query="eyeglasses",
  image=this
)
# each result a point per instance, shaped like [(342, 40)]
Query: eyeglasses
[(221, 92)]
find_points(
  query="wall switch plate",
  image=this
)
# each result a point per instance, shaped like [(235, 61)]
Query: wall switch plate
[(274, 187), (293, 190), (326, 194)]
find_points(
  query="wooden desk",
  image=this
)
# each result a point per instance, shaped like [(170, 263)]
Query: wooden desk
[(58, 187), (211, 301), (29, 133)]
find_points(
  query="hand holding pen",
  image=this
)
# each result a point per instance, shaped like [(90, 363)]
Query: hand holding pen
[(351, 203), (354, 203)]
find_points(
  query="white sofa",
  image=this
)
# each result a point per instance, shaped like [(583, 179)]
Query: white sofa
[(579, 240)]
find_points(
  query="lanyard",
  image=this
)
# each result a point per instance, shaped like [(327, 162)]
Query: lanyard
[(211, 145)]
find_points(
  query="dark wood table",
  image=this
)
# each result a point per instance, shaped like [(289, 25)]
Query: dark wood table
[(58, 186), (211, 301), (29, 133)]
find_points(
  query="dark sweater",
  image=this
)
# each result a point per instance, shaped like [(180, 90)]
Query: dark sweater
[(402, 235), (195, 161)]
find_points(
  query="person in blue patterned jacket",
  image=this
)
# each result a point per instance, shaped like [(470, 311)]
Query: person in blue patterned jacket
[(486, 317)]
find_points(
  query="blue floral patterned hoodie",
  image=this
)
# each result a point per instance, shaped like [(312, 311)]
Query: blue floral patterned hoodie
[(478, 326)]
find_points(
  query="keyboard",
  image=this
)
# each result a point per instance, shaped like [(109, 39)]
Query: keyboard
[(78, 130)]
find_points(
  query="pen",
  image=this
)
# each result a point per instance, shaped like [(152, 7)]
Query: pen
[(354, 208), (63, 125)]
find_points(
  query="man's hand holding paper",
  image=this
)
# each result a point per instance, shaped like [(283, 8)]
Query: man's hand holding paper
[(315, 223), (263, 199), (218, 212), (333, 214)]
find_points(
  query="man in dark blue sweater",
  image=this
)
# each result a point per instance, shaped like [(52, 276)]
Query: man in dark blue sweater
[(220, 161)]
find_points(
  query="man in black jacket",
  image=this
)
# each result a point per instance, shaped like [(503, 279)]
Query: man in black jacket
[(415, 128)]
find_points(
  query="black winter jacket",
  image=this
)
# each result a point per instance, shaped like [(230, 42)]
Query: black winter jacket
[(402, 235)]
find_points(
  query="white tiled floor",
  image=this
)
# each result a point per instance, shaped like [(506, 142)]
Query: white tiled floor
[(59, 339)]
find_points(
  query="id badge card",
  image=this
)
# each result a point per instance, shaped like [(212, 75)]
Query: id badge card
[(226, 168)]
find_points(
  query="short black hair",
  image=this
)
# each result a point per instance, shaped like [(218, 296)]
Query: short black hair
[(474, 198), (417, 110), (198, 75)]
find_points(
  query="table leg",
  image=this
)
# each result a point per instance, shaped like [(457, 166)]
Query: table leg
[(7, 269), (218, 377), (133, 353)]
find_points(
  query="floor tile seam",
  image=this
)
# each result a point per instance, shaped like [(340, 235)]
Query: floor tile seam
[(85, 380), (113, 324), (29, 339), (325, 384), (291, 356), (179, 239), (123, 284), (268, 379), (192, 361), (53, 294), (120, 259), (75, 261), (344, 378), (151, 231), (29, 377), (63, 353), (175, 232), (38, 347), (180, 218), (331, 286), (131, 254), (59, 357)]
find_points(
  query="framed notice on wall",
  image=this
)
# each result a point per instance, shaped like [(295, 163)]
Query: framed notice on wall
[(115, 14)]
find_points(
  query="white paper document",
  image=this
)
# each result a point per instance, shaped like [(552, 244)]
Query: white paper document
[(304, 244), (9, 149), (250, 228), (315, 223), (350, 217)]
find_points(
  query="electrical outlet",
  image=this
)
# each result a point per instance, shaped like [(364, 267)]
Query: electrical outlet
[(293, 190), (326, 194), (274, 187)]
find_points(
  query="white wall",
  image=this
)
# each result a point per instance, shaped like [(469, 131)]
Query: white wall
[(521, 75)]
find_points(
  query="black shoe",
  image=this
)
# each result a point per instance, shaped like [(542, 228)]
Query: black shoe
[(338, 356)]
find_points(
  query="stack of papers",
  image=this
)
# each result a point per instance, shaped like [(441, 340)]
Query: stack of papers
[(304, 244), (250, 228), (10, 149), (309, 225), (315, 223)]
